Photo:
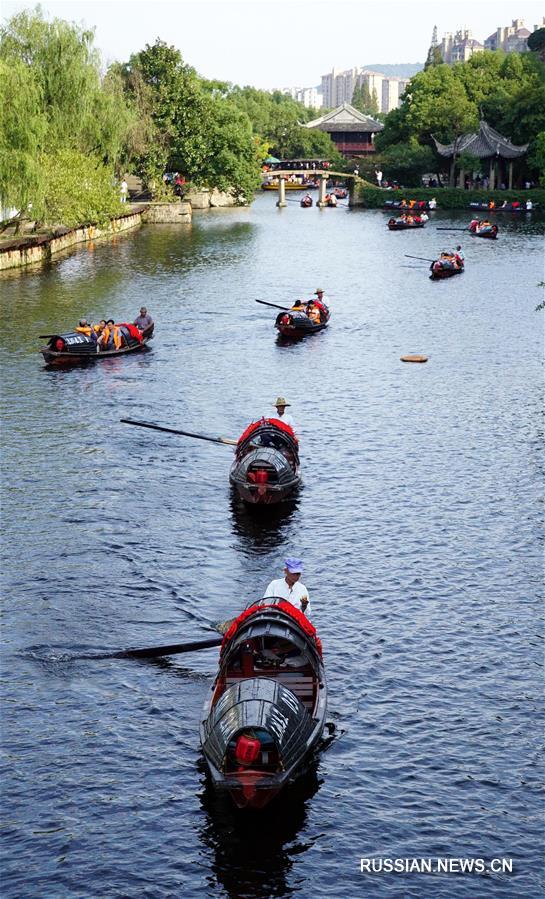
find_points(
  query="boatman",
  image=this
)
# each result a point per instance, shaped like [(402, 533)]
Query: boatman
[(143, 320), (281, 404), (290, 587)]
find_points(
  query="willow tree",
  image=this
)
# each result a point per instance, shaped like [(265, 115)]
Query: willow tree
[(23, 126), (55, 101)]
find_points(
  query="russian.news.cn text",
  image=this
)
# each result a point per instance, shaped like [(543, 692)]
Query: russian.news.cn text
[(436, 866)]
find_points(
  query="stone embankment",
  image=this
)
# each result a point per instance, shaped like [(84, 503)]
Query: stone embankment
[(28, 250), (34, 248)]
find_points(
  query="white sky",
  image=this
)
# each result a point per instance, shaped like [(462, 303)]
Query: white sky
[(278, 43)]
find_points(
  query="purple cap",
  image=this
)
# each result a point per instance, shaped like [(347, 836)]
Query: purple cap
[(294, 566)]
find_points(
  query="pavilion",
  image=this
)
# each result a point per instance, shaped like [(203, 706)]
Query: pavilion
[(484, 144), (351, 131)]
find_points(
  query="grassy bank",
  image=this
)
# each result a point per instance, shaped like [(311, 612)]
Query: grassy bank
[(447, 198)]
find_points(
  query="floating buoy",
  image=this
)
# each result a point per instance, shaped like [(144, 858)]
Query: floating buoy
[(414, 358)]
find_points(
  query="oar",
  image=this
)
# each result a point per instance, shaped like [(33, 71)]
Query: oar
[(152, 652), (47, 335), (149, 424), (422, 258), (452, 229), (263, 303)]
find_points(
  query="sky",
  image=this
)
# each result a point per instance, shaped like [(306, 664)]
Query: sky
[(278, 43)]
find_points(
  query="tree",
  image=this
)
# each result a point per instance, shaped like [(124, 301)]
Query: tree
[(365, 101), (536, 157), (536, 43), (22, 129), (78, 190), (407, 163), (433, 58), (54, 100), (195, 127)]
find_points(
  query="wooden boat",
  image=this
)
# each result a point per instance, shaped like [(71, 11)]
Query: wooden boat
[(340, 193), (74, 347), (515, 206), (400, 225), (266, 466), (263, 721), (306, 202), (489, 232), (295, 325), (289, 185), (418, 206), (441, 269)]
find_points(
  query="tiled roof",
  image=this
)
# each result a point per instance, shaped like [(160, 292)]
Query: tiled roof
[(345, 118), (486, 142)]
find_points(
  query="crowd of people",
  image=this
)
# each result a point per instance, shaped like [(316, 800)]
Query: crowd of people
[(109, 335)]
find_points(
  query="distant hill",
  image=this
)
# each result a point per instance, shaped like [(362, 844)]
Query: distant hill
[(401, 70)]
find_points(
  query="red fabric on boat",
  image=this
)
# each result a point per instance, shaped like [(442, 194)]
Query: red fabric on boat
[(275, 422), (286, 607), (133, 331)]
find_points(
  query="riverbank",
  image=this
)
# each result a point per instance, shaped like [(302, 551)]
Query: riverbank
[(446, 197), (33, 248)]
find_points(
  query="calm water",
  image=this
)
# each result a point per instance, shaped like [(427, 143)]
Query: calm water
[(418, 523)]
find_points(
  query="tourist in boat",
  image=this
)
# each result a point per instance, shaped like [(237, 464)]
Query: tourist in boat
[(473, 225), (281, 404), (529, 205), (332, 200), (290, 587), (299, 306), (424, 217), (432, 204), (143, 320), (314, 313), (111, 337), (84, 327)]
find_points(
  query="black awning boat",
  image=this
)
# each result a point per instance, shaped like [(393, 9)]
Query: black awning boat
[(266, 713), (294, 324), (76, 347), (442, 268), (266, 467), (401, 225)]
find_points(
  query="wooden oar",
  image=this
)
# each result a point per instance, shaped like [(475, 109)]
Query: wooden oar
[(452, 229), (153, 652), (422, 258), (263, 303), (154, 427)]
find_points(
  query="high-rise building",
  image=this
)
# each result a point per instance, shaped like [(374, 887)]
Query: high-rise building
[(338, 87)]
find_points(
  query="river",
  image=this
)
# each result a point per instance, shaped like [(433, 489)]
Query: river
[(418, 523)]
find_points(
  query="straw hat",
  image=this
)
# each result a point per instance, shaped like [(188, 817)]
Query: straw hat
[(281, 401)]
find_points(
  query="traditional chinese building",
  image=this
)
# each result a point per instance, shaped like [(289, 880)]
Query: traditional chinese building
[(485, 144), (352, 132)]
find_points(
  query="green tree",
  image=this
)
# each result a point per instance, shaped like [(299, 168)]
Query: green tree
[(407, 163), (536, 158), (22, 129), (536, 43), (364, 100), (78, 190), (54, 100)]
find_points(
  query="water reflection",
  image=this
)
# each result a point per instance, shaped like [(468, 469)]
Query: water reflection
[(261, 529), (254, 852)]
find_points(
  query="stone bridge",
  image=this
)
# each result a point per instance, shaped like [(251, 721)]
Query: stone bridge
[(280, 175)]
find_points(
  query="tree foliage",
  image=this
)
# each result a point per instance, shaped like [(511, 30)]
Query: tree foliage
[(364, 100), (54, 100), (444, 101)]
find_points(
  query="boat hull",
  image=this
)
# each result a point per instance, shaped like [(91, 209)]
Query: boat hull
[(270, 690), (80, 349), (404, 226), (296, 325), (441, 274)]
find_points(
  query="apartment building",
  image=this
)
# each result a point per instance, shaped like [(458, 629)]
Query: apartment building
[(338, 87)]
